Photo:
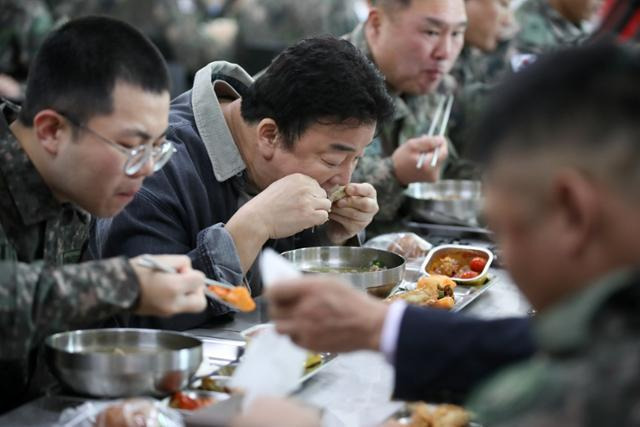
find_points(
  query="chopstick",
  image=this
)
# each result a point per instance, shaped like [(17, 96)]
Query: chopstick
[(448, 101), (149, 262), (432, 129), (443, 128)]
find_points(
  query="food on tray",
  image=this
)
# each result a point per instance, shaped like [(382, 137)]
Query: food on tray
[(312, 360), (409, 246), (217, 384), (458, 263), (184, 401), (238, 297), (477, 264), (445, 415), (130, 413), (375, 265), (337, 193), (431, 291)]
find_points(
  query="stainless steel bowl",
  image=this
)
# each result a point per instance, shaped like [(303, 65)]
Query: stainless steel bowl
[(378, 283), (123, 362), (457, 202)]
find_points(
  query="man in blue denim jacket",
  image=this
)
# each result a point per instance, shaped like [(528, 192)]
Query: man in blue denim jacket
[(255, 163)]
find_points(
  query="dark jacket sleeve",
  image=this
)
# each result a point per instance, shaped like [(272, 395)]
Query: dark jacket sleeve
[(173, 214), (441, 356)]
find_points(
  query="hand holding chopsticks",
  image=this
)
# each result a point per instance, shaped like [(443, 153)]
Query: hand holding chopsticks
[(441, 116), (236, 297)]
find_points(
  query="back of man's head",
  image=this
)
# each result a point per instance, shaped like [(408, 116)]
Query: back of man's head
[(78, 66), (318, 80), (579, 108)]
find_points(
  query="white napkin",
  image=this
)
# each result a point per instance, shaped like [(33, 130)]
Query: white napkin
[(272, 364)]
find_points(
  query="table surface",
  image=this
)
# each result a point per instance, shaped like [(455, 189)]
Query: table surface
[(353, 390)]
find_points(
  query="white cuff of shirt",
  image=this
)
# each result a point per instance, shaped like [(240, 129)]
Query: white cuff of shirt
[(391, 330)]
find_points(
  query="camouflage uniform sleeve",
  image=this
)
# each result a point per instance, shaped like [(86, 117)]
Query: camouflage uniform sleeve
[(38, 299), (378, 171)]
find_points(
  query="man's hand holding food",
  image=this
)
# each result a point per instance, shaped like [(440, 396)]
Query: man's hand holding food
[(352, 213)]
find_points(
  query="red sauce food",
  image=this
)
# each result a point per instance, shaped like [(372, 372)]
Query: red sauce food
[(181, 400), (456, 263)]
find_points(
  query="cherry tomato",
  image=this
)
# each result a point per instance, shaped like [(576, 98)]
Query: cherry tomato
[(477, 264), (182, 401), (468, 275)]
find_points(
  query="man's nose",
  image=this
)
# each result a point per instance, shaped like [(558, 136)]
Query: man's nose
[(444, 47)]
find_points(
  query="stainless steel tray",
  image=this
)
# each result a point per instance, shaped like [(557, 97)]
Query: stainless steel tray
[(464, 295), (219, 353)]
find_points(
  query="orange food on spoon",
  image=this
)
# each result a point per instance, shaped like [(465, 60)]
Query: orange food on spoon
[(238, 297)]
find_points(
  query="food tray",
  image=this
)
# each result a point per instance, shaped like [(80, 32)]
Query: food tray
[(464, 295), (221, 356), (327, 358)]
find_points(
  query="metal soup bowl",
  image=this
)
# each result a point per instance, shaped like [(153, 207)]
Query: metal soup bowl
[(457, 202), (323, 259), (123, 362)]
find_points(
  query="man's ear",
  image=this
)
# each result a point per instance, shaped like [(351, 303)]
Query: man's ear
[(374, 21), (576, 198), (267, 133), (51, 129)]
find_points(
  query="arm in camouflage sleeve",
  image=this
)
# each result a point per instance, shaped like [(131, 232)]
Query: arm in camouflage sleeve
[(37, 299), (378, 171)]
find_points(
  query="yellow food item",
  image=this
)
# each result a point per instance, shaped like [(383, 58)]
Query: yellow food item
[(337, 193), (445, 303), (436, 281), (312, 360), (431, 291)]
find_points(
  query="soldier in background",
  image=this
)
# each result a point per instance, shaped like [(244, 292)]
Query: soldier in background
[(91, 129), (483, 62), (266, 27), (182, 30), (551, 24), (414, 43), (23, 26), (487, 39)]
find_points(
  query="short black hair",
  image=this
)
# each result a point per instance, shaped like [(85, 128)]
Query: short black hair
[(78, 65), (391, 5), (584, 100), (318, 80)]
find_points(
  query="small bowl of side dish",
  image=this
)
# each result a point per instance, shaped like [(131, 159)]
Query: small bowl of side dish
[(466, 265)]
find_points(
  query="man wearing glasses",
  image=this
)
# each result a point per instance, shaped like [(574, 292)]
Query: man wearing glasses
[(91, 129)]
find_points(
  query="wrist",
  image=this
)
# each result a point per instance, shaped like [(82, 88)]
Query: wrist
[(378, 314), (135, 277), (394, 169), (246, 223)]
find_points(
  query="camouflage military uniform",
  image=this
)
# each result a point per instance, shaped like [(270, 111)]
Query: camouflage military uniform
[(476, 73), (38, 294), (412, 118), (178, 28), (266, 27), (587, 370), (542, 28), (23, 26)]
